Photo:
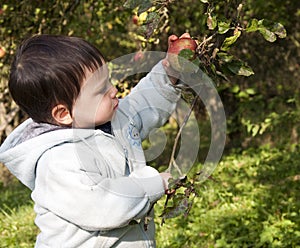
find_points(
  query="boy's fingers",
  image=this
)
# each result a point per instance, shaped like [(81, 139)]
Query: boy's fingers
[(165, 63), (172, 38)]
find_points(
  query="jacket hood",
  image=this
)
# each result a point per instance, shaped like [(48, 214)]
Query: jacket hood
[(24, 146)]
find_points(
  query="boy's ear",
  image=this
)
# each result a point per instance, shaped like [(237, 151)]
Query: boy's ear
[(61, 114)]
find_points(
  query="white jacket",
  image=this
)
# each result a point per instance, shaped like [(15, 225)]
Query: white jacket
[(90, 188)]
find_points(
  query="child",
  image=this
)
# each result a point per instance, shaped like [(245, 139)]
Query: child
[(91, 186)]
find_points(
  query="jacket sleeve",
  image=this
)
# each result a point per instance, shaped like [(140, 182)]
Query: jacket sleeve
[(91, 200), (152, 100)]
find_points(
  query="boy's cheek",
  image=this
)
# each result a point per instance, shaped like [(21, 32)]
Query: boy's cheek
[(86, 110)]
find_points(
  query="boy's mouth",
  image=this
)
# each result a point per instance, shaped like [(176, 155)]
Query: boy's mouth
[(117, 104)]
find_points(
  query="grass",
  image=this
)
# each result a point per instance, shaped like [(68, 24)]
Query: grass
[(17, 227), (255, 202)]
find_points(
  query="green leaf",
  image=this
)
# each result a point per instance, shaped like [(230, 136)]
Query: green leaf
[(187, 54), (147, 29), (255, 130), (188, 61), (225, 57), (131, 4), (153, 17), (267, 34), (180, 206), (238, 67), (250, 91), (204, 1), (243, 94), (252, 25), (142, 5), (279, 30), (230, 40), (223, 27), (235, 89)]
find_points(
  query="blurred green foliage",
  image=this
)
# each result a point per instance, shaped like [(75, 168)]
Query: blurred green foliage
[(238, 39), (253, 202)]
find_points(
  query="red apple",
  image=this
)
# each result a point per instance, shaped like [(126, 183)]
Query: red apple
[(135, 19), (182, 43), (177, 60)]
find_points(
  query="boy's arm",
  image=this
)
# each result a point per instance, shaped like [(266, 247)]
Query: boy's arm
[(93, 201), (154, 98)]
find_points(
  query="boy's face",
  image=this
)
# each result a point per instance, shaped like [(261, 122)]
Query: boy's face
[(97, 101)]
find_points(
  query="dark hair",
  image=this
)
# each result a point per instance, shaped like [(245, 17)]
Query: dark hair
[(48, 70)]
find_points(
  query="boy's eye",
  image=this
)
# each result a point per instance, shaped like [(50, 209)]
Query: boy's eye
[(105, 88)]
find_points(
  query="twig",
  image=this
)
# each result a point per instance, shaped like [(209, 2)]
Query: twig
[(186, 118), (205, 41)]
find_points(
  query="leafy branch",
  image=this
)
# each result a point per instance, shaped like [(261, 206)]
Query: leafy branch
[(215, 59), (214, 47)]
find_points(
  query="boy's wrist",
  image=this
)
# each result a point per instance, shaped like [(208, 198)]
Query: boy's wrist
[(172, 74)]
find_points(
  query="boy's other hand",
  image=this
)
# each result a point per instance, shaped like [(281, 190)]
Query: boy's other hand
[(165, 177)]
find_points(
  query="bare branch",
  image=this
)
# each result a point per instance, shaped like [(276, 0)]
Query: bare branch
[(186, 118)]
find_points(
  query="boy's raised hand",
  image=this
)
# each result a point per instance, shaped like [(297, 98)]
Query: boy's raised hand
[(172, 72)]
